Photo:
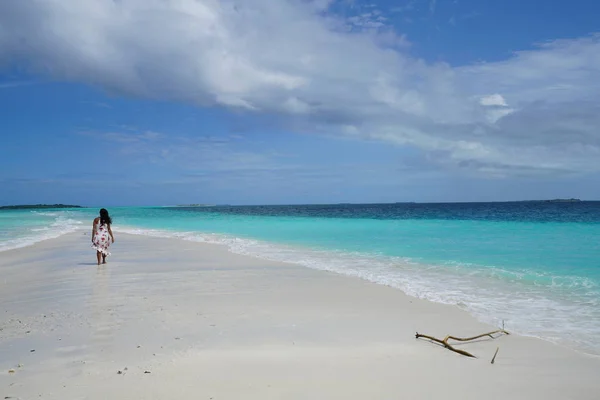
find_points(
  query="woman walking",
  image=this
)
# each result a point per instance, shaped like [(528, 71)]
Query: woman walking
[(102, 236)]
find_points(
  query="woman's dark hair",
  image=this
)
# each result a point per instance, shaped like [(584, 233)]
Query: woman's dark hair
[(104, 217)]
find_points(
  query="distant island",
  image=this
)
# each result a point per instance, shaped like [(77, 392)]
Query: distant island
[(194, 205), (555, 201), (563, 201), (37, 206)]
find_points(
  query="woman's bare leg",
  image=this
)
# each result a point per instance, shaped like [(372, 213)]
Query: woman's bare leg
[(98, 256), (103, 258)]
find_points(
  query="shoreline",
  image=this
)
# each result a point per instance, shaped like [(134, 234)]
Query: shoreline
[(203, 321), (180, 236), (232, 244)]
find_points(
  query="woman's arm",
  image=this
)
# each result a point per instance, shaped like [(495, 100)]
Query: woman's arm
[(111, 235), (94, 229)]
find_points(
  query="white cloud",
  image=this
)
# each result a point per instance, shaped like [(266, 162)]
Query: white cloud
[(292, 58), (295, 106), (493, 100), (497, 107)]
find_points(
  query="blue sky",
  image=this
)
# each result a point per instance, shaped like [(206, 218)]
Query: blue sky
[(258, 102)]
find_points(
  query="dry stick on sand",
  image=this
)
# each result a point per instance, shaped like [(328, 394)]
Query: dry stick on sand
[(449, 346), (495, 354)]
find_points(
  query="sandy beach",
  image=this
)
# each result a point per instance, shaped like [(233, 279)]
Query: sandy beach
[(167, 318)]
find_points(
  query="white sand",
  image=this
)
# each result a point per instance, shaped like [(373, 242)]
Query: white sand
[(208, 324)]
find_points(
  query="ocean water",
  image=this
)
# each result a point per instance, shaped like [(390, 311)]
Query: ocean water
[(20, 228), (535, 266)]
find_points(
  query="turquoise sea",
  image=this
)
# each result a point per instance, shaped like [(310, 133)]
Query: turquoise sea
[(533, 265)]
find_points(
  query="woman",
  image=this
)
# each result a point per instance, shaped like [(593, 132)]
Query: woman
[(101, 233)]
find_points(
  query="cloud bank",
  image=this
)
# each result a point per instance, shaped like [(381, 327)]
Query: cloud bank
[(537, 112)]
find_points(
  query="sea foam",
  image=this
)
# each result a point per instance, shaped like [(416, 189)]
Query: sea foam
[(46, 225)]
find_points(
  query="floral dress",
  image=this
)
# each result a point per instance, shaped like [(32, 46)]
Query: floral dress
[(101, 241)]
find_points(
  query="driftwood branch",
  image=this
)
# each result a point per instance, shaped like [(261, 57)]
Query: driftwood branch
[(449, 337), (495, 354)]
